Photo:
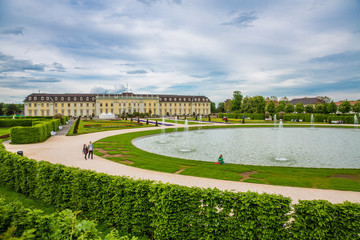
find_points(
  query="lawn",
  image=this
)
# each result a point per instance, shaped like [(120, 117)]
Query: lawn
[(91, 126), (119, 149), (4, 132)]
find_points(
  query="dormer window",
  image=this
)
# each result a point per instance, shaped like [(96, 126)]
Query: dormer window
[(62, 98), (29, 98), (175, 99), (81, 98), (68, 98), (42, 98), (170, 99), (87, 98), (56, 98), (74, 98), (47, 98)]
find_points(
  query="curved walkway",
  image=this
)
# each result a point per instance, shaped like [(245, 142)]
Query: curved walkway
[(67, 150)]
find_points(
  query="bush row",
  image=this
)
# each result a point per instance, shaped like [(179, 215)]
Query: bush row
[(253, 116), (37, 133), (167, 211), (15, 122), (18, 221), (76, 127)]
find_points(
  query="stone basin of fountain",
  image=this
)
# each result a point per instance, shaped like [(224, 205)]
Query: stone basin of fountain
[(325, 148)]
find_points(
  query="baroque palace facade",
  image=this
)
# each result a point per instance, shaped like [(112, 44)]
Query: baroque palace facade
[(47, 104)]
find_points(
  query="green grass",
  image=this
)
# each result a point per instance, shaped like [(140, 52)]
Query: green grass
[(91, 126), (178, 121), (4, 131), (285, 176), (10, 195)]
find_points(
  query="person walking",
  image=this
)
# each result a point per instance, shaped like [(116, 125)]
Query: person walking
[(90, 147), (85, 150)]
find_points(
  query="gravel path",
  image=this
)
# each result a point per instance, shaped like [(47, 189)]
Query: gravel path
[(67, 150)]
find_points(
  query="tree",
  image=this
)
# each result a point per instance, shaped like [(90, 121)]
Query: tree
[(221, 107), (1, 109), (12, 109), (299, 108), (289, 108), (236, 101), (270, 107), (284, 99), (247, 105), (309, 108), (212, 107), (326, 99), (331, 107), (274, 98), (227, 105), (344, 107), (356, 107), (281, 106), (259, 103), (320, 108)]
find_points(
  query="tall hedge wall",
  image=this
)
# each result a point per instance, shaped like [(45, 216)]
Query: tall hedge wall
[(253, 116), (37, 133), (167, 211), (15, 122)]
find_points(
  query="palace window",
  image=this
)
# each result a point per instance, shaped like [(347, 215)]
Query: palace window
[(74, 98), (144, 104), (68, 98), (81, 98), (111, 104), (35, 98), (47, 98), (29, 98), (62, 98), (56, 98), (87, 98), (34, 104), (47, 104), (42, 104), (68, 104), (42, 98), (174, 99), (29, 104), (100, 104), (55, 104), (106, 104), (81, 105), (74, 104), (87, 104), (62, 105)]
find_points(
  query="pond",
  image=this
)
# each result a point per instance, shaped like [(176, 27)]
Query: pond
[(294, 147)]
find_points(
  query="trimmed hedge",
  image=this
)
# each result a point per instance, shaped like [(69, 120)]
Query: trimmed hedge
[(15, 122), (167, 211), (18, 221), (344, 119), (305, 117), (252, 116), (38, 133)]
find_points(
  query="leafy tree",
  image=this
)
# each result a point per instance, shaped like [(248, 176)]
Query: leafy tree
[(213, 107), (299, 108), (344, 107), (270, 107), (320, 108), (259, 103), (284, 99), (309, 108), (1, 109), (221, 107), (227, 105), (12, 109), (326, 99), (356, 107), (247, 105), (331, 107), (236, 101), (289, 108), (281, 106)]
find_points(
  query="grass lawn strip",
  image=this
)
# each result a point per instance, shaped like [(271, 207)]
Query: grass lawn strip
[(336, 179), (91, 126)]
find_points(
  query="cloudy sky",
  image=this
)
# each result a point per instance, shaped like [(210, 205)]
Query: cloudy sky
[(209, 47)]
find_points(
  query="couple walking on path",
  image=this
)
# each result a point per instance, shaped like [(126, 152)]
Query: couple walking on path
[(88, 149)]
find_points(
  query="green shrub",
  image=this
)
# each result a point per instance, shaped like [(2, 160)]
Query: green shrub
[(37, 133), (168, 211), (15, 122), (252, 116), (344, 118)]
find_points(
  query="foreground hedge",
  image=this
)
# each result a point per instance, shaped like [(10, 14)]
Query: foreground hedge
[(37, 133), (167, 211), (18, 221)]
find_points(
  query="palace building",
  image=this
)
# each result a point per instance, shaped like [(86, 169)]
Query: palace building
[(83, 104)]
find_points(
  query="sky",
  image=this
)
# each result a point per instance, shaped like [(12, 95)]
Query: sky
[(298, 48)]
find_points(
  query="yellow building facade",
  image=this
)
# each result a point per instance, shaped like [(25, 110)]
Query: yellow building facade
[(44, 104)]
